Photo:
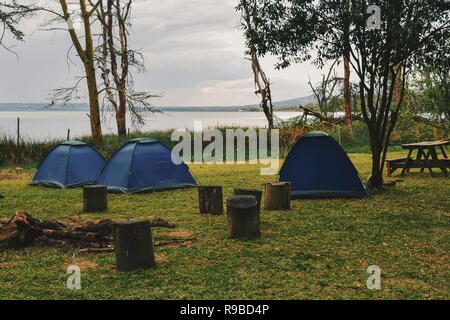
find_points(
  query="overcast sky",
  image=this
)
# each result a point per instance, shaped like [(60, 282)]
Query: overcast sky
[(194, 57)]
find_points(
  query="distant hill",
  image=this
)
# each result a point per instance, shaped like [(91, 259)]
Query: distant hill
[(287, 104), (279, 105), (296, 102), (43, 107)]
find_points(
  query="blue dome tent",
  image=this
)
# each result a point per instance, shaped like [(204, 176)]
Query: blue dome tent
[(70, 164), (318, 167), (143, 165)]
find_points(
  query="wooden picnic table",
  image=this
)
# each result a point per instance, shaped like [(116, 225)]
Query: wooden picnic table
[(426, 158)]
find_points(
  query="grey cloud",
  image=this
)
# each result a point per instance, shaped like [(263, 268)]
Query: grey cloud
[(194, 55)]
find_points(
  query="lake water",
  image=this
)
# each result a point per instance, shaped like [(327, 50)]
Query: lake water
[(43, 125)]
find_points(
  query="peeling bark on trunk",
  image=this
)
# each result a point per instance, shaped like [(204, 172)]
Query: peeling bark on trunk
[(121, 114), (115, 17), (262, 85)]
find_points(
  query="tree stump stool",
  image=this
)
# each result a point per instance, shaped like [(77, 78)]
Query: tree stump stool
[(243, 217), (210, 199), (249, 192), (133, 245), (277, 196), (95, 198)]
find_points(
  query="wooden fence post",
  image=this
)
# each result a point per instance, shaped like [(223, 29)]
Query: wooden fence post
[(18, 132), (95, 198), (277, 196), (243, 217), (210, 200), (18, 141), (133, 245)]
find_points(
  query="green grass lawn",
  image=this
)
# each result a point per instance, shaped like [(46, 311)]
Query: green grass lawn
[(318, 250)]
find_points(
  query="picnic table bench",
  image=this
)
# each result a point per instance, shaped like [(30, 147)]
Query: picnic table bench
[(426, 158)]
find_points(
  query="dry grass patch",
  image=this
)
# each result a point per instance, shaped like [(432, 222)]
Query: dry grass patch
[(161, 257), (181, 234), (4, 265), (83, 264), (435, 261), (8, 175)]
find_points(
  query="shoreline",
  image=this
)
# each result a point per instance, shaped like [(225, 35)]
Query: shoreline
[(162, 110)]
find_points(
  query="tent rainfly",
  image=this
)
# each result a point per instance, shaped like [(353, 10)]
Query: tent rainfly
[(318, 167), (70, 164), (144, 165)]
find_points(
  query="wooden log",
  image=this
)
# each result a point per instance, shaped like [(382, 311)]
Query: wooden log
[(158, 222), (243, 217), (210, 200), (277, 196), (155, 244), (174, 241), (133, 245), (321, 117), (95, 198), (20, 231), (74, 235), (249, 192)]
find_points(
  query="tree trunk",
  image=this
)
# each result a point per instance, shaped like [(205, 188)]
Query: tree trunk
[(94, 107), (262, 85), (376, 178), (243, 217), (277, 196), (210, 199), (121, 113), (95, 198), (89, 66), (133, 245), (87, 57), (347, 95)]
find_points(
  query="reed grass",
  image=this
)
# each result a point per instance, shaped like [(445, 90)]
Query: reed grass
[(353, 140)]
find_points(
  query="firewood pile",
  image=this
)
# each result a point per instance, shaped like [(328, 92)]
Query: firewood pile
[(23, 230)]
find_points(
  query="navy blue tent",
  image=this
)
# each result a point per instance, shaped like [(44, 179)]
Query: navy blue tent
[(318, 167), (70, 164), (143, 165)]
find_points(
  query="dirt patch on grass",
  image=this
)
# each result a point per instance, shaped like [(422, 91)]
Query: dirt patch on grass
[(181, 234), (406, 283), (84, 265), (4, 265), (435, 261), (161, 257), (14, 173), (12, 176), (187, 244)]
